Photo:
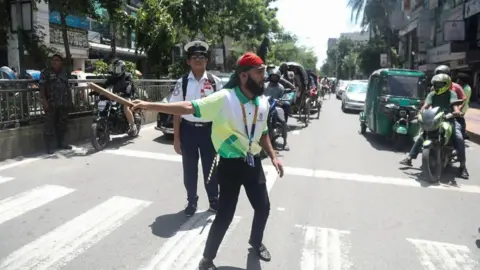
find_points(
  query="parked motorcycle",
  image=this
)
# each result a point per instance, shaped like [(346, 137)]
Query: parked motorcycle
[(438, 151), (110, 120)]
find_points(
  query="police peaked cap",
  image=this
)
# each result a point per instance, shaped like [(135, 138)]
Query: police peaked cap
[(196, 46)]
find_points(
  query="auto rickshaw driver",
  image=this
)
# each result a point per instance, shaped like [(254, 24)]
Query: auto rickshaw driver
[(442, 97)]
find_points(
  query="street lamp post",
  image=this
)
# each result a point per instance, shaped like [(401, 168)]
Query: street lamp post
[(21, 14)]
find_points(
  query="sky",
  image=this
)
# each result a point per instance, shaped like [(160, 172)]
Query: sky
[(304, 19)]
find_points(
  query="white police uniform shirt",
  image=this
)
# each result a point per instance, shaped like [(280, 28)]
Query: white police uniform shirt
[(195, 90)]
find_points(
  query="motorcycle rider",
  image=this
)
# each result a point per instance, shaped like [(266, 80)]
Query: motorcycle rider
[(324, 85), (122, 82), (275, 89), (442, 97), (283, 77)]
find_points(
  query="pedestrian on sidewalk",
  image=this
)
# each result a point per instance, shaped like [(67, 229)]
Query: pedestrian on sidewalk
[(462, 80), (192, 134), (239, 133), (57, 100)]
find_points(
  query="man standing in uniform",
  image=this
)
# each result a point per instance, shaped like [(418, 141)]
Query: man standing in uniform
[(191, 133), (57, 100), (239, 133)]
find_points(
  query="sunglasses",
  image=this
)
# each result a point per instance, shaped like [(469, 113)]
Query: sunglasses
[(198, 57)]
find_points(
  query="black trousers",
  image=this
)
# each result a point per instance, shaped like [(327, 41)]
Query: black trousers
[(231, 175)]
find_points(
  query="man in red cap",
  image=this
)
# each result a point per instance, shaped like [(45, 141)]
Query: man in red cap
[(239, 133)]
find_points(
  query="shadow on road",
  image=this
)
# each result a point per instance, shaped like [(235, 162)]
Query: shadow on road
[(164, 139), (253, 263), (87, 149), (448, 176), (166, 226)]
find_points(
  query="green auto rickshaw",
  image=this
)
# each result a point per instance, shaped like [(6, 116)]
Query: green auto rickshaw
[(393, 99)]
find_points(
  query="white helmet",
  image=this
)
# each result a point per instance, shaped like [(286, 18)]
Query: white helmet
[(442, 69)]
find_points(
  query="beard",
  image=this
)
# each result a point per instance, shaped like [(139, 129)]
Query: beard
[(255, 88)]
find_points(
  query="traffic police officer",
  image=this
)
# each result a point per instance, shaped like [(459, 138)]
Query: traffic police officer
[(57, 100), (191, 133), (239, 133)]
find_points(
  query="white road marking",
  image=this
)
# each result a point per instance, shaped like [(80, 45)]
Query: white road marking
[(324, 249), (270, 171), (271, 175), (184, 249), (5, 179), (281, 209), (58, 247), (406, 182), (18, 205), (323, 174), (436, 255), (18, 163), (144, 154), (295, 132)]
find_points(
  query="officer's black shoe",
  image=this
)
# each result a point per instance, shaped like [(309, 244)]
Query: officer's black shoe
[(213, 206), (206, 265), (262, 252), (191, 209)]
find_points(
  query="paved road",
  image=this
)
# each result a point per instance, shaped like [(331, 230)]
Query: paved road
[(344, 204)]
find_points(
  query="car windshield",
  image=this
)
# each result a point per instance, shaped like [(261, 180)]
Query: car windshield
[(357, 88), (405, 86)]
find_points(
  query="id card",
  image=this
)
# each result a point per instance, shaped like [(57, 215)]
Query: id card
[(250, 159)]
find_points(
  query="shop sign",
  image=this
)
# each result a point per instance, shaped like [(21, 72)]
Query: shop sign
[(472, 7), (76, 37), (454, 31), (443, 54), (72, 21)]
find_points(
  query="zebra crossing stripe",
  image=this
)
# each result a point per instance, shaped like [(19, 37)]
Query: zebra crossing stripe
[(184, 249), (18, 205), (5, 179), (437, 255), (324, 248), (58, 247)]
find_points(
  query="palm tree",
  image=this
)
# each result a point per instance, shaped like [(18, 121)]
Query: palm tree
[(375, 15), (350, 63)]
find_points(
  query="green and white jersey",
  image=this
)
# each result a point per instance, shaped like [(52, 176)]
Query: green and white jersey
[(224, 109)]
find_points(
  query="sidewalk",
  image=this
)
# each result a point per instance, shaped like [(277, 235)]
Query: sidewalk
[(473, 124)]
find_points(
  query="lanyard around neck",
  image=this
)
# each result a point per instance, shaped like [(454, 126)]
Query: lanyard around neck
[(254, 123)]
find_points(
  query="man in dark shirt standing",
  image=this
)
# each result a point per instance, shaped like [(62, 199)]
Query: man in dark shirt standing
[(57, 100)]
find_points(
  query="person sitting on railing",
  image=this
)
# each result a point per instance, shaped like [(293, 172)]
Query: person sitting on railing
[(122, 82), (56, 98)]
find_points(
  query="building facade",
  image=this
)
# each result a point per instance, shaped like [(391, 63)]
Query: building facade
[(88, 39), (441, 32)]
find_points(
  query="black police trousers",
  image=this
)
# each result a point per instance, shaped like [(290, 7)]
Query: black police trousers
[(232, 174), (56, 120)]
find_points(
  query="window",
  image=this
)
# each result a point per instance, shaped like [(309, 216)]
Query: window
[(404, 86), (357, 88)]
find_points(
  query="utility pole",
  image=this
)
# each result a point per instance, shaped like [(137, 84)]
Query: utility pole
[(21, 50)]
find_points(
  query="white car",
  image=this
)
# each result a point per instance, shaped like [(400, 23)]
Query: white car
[(342, 85), (353, 99)]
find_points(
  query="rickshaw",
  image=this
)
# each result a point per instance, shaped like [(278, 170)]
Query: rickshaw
[(393, 99), (301, 104)]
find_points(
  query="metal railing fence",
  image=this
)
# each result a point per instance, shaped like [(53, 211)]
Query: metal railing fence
[(20, 103)]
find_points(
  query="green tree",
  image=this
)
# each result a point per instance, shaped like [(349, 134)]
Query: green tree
[(83, 8), (155, 32)]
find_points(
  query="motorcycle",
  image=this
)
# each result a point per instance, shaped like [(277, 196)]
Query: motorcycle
[(111, 120), (438, 150), (277, 124)]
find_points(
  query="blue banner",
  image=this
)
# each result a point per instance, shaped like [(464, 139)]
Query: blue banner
[(72, 21)]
